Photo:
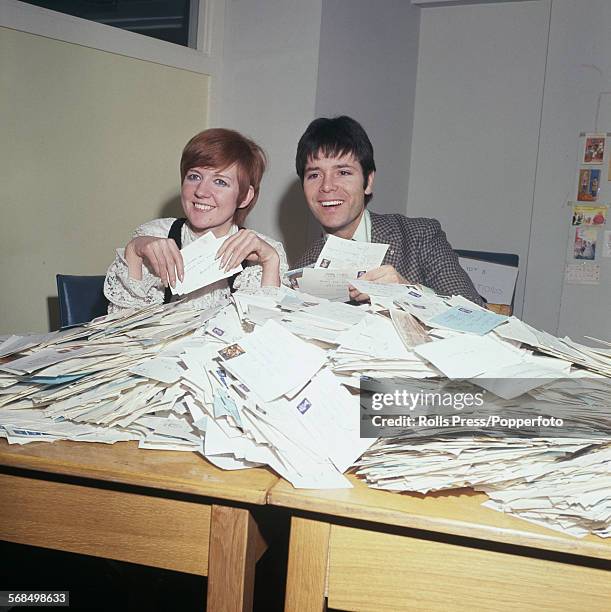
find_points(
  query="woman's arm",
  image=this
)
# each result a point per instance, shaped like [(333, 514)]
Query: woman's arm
[(135, 286)]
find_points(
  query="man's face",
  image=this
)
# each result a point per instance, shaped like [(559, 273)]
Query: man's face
[(333, 188)]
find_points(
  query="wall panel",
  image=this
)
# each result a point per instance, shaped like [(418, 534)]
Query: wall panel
[(479, 92), (90, 148)]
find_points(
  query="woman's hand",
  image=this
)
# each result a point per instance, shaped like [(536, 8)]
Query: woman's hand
[(246, 245), (161, 256)]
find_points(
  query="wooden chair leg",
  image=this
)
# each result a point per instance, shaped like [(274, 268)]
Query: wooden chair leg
[(235, 547), (307, 566)]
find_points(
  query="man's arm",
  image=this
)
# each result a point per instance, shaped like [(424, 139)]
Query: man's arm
[(442, 272)]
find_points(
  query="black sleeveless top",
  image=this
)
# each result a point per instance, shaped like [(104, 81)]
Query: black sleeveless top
[(175, 234)]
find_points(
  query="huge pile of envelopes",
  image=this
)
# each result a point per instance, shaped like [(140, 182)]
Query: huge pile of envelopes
[(272, 378)]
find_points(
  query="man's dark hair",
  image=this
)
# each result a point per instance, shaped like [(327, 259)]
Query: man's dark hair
[(333, 138)]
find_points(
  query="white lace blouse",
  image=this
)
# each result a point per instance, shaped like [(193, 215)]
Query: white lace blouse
[(125, 292)]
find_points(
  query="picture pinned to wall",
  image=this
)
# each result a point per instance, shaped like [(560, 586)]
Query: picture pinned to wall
[(589, 184), (589, 215), (594, 151), (584, 246), (584, 273), (607, 244)]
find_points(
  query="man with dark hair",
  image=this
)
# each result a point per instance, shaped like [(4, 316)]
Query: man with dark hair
[(336, 167)]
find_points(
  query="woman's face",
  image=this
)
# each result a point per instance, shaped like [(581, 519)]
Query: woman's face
[(210, 197)]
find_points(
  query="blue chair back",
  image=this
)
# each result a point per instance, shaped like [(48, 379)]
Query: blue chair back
[(81, 298)]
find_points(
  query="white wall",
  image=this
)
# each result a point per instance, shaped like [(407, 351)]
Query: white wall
[(503, 92), (367, 69), (287, 62), (577, 99), (269, 91), (479, 93)]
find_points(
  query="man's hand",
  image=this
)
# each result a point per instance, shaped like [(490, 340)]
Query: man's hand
[(384, 274), (161, 256)]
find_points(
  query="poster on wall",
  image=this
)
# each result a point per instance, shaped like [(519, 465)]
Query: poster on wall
[(607, 244), (584, 246), (594, 150), (589, 185), (589, 215)]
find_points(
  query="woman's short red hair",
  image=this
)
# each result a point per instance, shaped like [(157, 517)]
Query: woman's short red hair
[(220, 148)]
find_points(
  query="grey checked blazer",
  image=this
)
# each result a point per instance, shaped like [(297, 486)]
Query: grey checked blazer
[(418, 250)]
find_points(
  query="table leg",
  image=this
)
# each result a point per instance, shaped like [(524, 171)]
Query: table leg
[(235, 547), (307, 566)]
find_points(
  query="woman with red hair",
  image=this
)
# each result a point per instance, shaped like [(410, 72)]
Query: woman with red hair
[(221, 173)]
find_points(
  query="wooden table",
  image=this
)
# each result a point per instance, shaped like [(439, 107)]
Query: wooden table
[(172, 510), (366, 549)]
